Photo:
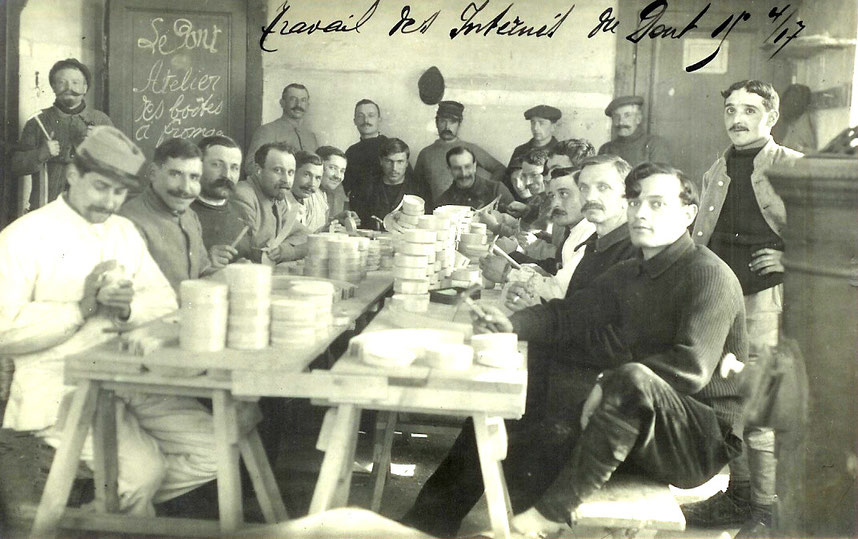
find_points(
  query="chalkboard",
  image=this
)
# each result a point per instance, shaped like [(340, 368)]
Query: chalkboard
[(176, 69)]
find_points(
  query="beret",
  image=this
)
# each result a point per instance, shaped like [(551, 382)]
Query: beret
[(452, 109), (622, 101), (108, 151), (431, 86), (543, 111)]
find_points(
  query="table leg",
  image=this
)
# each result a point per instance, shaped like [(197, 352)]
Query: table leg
[(489, 438), (335, 474), (105, 453), (382, 444), (226, 445), (64, 467), (264, 482)]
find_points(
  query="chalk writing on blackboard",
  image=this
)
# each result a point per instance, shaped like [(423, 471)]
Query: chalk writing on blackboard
[(179, 79)]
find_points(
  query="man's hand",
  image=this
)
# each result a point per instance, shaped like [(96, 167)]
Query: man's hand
[(517, 209), (766, 261), (91, 286), (343, 216), (518, 297), (494, 321), (222, 255), (495, 268), (274, 253), (531, 523), (51, 148), (491, 219), (590, 405), (117, 297), (506, 244)]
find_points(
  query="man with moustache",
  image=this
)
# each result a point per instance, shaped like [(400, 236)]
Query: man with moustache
[(742, 220), (467, 188), (431, 164), (221, 170), (163, 216), (289, 128), (384, 193), (261, 203), (67, 122), (331, 196), (312, 210), (68, 272), (658, 326), (631, 141), (543, 125)]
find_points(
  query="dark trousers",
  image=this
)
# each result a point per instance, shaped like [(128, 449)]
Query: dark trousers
[(641, 423)]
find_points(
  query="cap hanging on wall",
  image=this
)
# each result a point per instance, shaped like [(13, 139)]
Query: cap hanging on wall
[(431, 86)]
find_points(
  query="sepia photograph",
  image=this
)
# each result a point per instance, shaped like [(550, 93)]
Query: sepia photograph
[(401, 268)]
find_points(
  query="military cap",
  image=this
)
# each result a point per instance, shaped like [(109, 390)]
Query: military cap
[(431, 86), (108, 151), (543, 111), (622, 101), (451, 109)]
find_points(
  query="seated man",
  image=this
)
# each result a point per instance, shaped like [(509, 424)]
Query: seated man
[(382, 195), (221, 170), (261, 203), (658, 325), (161, 213), (467, 188), (312, 209), (69, 271), (335, 165)]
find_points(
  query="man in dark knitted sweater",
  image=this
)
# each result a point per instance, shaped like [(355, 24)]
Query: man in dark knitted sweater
[(742, 221), (660, 325)]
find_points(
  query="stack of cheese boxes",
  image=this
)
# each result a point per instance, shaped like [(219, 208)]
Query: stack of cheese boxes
[(249, 306), (344, 258), (203, 315), (316, 261), (302, 315), (413, 267)]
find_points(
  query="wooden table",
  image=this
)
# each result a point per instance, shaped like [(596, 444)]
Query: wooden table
[(487, 395), (102, 370)]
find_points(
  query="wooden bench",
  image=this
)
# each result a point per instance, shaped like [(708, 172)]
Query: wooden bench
[(630, 506)]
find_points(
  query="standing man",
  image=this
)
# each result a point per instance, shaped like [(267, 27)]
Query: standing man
[(67, 122), (658, 326), (742, 221), (68, 272), (163, 216), (289, 128), (543, 125), (221, 170), (383, 193), (631, 141), (312, 209), (432, 165), (261, 203), (467, 189)]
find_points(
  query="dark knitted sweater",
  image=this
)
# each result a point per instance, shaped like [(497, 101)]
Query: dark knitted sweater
[(599, 255), (678, 313)]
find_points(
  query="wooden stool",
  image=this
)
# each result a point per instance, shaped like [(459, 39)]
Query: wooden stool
[(92, 405)]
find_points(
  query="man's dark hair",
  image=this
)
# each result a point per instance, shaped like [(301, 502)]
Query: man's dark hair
[(514, 163), (536, 157), (326, 152), (564, 171), (72, 63), (687, 189), (576, 149), (771, 100), (176, 148), (459, 150), (392, 146), (216, 140), (620, 164), (296, 86), (302, 158), (368, 102), (262, 153)]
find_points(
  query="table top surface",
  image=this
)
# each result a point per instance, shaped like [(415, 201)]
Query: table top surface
[(171, 361)]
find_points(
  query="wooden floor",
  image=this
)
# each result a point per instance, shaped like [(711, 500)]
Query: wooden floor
[(23, 472)]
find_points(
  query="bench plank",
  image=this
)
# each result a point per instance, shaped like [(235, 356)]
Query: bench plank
[(631, 501)]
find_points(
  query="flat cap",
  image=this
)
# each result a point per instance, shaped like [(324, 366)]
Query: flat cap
[(430, 86), (108, 151), (451, 109), (622, 101), (543, 111)]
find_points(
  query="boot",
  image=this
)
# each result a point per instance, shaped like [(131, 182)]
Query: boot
[(726, 508)]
